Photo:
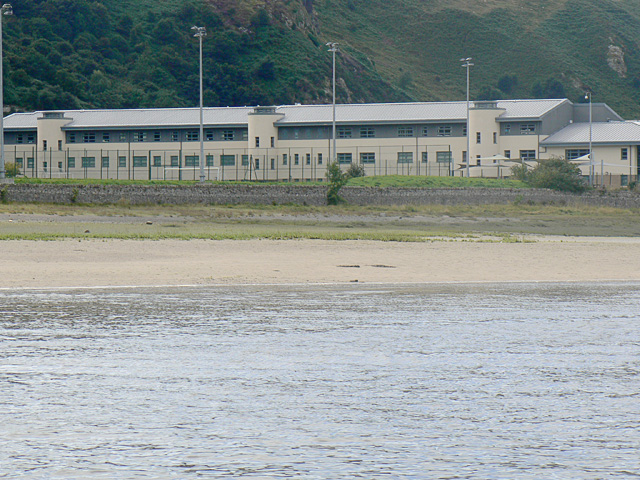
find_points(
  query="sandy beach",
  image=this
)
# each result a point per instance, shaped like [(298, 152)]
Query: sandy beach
[(94, 263)]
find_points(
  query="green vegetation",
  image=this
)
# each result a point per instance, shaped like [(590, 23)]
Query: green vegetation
[(141, 53), (501, 223), (434, 182), (554, 173)]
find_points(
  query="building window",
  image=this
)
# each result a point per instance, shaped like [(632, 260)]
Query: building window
[(60, 166), (425, 131), (122, 162), (344, 132), (273, 142), (572, 154), (227, 135), (88, 162), (71, 138), (123, 137), (296, 159), (59, 145), (478, 160), (319, 159), (464, 131), (367, 157), (527, 155), (106, 137), (193, 136), (495, 138), (425, 157), (30, 163), (20, 138), (444, 131), (257, 162), (245, 135), (624, 154), (156, 136), (444, 157), (405, 157), (227, 160), (308, 159), (478, 137), (257, 142), (175, 161), (71, 162), (507, 128), (175, 137), (139, 136), (273, 164), (507, 153), (208, 135), (105, 162), (284, 159), (19, 162), (89, 137), (464, 157), (31, 138), (190, 160), (209, 160), (245, 160), (527, 129), (367, 132), (405, 131), (44, 145), (344, 158), (157, 161), (139, 161)]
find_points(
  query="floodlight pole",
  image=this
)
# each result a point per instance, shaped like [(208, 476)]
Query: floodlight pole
[(5, 10), (200, 34), (467, 64), (333, 48), (591, 164)]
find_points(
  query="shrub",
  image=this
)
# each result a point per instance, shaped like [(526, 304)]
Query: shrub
[(556, 174), (336, 179), (354, 171), (11, 169)]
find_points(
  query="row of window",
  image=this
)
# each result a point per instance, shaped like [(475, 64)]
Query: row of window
[(145, 136)]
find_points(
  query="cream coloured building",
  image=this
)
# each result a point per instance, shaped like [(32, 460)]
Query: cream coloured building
[(293, 142)]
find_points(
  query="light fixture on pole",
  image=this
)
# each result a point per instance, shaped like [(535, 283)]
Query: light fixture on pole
[(333, 48), (6, 9), (467, 64), (200, 32), (592, 175)]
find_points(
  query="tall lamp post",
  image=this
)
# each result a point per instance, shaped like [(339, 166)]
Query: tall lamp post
[(591, 164), (200, 33), (333, 48), (6, 9), (467, 64)]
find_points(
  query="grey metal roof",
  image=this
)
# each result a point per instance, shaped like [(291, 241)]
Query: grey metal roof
[(409, 112), (293, 115), (139, 118), (623, 133)]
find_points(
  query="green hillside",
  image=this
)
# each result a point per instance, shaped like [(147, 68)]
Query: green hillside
[(141, 53)]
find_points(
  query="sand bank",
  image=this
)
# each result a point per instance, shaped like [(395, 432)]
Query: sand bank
[(71, 263)]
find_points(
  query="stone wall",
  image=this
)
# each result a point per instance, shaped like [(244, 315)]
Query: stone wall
[(299, 194)]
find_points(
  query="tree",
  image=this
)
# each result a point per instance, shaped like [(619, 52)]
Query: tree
[(555, 173), (552, 88)]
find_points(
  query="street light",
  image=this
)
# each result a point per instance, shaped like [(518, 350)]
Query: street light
[(333, 48), (6, 9), (466, 64), (592, 175), (200, 32)]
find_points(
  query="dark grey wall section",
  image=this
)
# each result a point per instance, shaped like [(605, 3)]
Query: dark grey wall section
[(302, 195)]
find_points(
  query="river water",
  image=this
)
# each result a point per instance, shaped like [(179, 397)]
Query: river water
[(527, 381)]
